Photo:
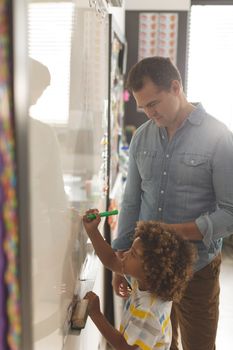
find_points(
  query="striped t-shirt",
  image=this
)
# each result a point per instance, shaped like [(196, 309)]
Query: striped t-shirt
[(146, 320)]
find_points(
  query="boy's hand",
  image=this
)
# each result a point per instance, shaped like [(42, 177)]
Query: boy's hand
[(93, 304), (120, 286), (91, 224)]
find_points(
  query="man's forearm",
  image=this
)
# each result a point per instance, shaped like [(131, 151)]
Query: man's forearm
[(186, 230)]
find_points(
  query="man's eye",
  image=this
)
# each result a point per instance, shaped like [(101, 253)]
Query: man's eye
[(152, 104)]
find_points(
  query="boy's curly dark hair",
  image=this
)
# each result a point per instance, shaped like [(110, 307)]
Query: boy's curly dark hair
[(167, 260)]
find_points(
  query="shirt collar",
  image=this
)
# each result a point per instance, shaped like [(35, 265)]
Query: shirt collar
[(197, 115)]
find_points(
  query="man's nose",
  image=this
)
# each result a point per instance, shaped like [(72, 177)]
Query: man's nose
[(152, 114)]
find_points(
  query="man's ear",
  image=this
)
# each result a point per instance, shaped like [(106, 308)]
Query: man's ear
[(175, 87)]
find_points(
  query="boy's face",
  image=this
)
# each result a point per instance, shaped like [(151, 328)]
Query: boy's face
[(132, 260)]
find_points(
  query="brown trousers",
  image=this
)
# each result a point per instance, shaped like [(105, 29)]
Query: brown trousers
[(197, 312)]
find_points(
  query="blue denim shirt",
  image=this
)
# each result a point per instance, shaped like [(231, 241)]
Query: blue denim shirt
[(189, 178)]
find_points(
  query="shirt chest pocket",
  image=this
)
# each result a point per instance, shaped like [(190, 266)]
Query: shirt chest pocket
[(146, 163), (194, 169)]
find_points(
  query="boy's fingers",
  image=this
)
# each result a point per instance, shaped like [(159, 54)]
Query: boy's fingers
[(91, 211), (90, 294), (94, 211)]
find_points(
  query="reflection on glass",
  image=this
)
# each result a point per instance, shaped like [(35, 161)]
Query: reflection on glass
[(68, 153)]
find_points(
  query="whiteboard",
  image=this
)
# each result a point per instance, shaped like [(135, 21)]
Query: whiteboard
[(68, 101)]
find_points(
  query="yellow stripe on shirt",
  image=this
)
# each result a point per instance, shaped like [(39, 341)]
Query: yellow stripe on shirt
[(142, 345), (159, 345), (165, 323), (138, 313)]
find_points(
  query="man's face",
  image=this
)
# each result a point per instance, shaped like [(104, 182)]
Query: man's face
[(161, 106)]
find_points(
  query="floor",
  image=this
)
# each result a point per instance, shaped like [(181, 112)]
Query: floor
[(225, 326)]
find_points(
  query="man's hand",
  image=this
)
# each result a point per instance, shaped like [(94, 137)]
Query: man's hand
[(186, 230), (120, 286)]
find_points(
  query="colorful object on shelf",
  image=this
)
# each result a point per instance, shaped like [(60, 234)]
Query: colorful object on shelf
[(158, 33), (126, 96), (112, 220), (10, 316)]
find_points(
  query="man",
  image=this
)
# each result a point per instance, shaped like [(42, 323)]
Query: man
[(180, 173)]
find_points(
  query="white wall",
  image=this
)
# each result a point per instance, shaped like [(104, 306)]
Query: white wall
[(117, 12), (119, 16), (180, 5)]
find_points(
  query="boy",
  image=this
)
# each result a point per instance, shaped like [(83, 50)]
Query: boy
[(159, 264)]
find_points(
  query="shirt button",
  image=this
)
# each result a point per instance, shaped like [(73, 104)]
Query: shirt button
[(160, 209), (162, 191), (163, 137), (167, 155), (164, 173)]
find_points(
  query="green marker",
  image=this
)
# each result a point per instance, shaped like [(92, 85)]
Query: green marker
[(104, 213)]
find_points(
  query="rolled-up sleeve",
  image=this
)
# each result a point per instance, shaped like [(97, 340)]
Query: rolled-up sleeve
[(219, 224)]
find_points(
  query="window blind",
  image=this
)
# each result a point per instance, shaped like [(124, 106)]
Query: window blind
[(210, 68), (49, 35)]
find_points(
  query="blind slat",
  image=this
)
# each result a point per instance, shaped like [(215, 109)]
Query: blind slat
[(210, 69)]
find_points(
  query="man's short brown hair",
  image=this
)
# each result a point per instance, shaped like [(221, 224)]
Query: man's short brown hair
[(160, 70)]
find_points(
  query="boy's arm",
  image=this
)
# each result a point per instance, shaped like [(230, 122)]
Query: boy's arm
[(112, 335), (104, 251)]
